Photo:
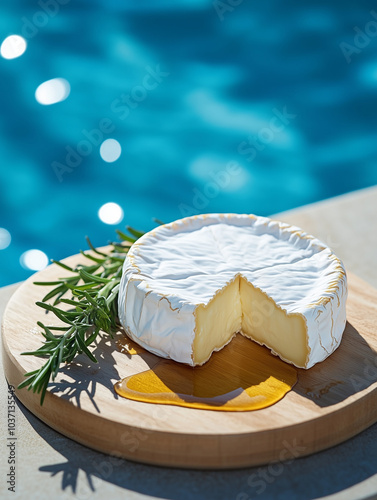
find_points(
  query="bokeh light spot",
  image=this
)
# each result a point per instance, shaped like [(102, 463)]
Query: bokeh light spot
[(36, 260), (5, 238), (111, 213), (52, 91), (13, 46), (110, 150)]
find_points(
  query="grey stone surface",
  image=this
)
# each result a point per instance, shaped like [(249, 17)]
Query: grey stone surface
[(50, 465), (348, 225)]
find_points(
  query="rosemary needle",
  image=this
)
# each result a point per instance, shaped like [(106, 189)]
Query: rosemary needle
[(94, 307)]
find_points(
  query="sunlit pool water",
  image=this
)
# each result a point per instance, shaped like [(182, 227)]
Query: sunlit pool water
[(113, 113)]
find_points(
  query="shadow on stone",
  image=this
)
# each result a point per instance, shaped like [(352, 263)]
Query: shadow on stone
[(83, 470)]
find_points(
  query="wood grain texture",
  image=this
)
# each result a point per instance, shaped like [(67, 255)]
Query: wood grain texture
[(331, 402)]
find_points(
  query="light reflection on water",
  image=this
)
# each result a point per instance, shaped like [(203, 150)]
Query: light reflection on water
[(5, 238), (147, 105), (34, 259), (110, 150), (13, 46), (52, 91), (111, 213)]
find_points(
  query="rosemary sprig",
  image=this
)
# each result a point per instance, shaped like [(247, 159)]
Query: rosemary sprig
[(93, 308)]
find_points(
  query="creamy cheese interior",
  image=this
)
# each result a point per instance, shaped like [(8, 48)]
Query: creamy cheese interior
[(217, 322), (240, 307)]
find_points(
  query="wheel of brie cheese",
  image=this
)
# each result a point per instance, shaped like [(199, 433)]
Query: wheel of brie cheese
[(188, 287)]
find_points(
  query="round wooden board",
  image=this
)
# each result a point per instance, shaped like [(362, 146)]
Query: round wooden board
[(331, 402)]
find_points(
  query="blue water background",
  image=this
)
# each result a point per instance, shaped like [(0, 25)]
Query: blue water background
[(226, 75)]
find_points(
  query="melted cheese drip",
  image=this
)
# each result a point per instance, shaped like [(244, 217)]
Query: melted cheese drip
[(243, 376)]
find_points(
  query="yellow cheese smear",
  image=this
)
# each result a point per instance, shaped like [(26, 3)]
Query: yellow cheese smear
[(243, 376)]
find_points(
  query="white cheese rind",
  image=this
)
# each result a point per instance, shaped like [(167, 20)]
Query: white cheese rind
[(177, 267)]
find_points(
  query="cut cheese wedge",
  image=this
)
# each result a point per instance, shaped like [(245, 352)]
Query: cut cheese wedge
[(188, 287)]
